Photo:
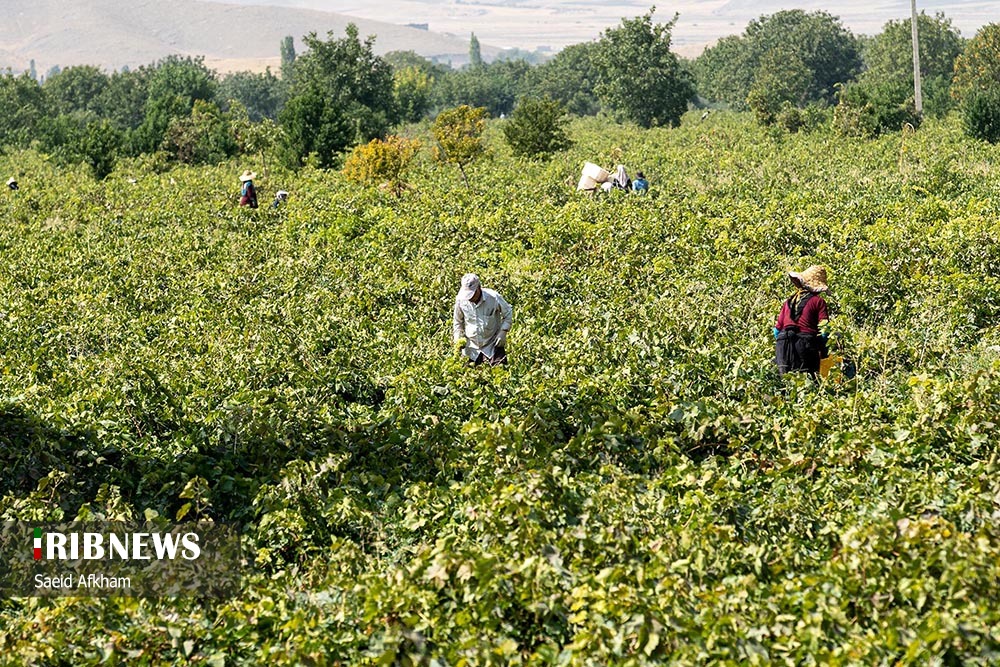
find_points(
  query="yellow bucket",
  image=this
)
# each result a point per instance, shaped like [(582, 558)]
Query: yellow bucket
[(837, 361)]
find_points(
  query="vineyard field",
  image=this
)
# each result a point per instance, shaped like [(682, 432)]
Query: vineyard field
[(636, 487)]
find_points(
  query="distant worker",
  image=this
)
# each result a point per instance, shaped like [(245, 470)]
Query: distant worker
[(705, 115), (618, 181), (12, 183), (803, 325), (640, 184), (248, 193), (279, 197), (480, 324), (621, 180)]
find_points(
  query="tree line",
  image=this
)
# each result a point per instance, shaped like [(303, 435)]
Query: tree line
[(340, 94)]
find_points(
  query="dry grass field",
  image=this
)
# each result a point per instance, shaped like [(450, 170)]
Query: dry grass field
[(114, 34)]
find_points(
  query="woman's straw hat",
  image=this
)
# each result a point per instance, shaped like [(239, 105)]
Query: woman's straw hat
[(813, 278), (247, 176)]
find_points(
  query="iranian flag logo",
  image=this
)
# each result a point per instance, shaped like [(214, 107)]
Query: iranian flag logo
[(38, 544)]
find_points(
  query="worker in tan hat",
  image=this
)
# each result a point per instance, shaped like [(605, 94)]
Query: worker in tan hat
[(248, 193), (480, 323), (803, 325)]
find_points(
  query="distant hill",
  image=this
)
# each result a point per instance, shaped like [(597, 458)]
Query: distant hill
[(532, 24), (245, 34), (117, 33)]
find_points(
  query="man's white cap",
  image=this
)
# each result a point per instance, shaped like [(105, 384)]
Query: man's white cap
[(470, 283), (12, 180)]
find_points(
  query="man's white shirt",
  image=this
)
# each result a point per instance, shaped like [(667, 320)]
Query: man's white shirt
[(480, 323)]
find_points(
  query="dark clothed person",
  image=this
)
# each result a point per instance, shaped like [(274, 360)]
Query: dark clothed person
[(800, 332), (248, 193)]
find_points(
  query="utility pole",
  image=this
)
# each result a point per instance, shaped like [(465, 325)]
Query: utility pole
[(917, 98)]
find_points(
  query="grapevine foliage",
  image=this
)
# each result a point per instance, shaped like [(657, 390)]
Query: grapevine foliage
[(635, 487)]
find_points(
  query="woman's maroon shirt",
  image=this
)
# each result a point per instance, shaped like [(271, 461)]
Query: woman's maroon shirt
[(813, 313)]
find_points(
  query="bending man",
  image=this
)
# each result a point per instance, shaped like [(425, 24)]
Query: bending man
[(481, 321)]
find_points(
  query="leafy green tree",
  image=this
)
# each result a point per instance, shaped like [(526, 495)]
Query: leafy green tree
[(101, 146), (825, 46), (888, 57), (536, 128), (459, 136), (569, 78), (536, 57), (495, 86), (123, 101), (261, 94), (977, 79), (257, 138), (403, 59), (312, 125), (22, 107), (978, 67), (871, 108), (61, 136), (414, 81), (475, 53), (981, 115), (726, 71), (287, 59), (159, 114), (186, 78), (172, 86), (203, 137), (412, 87), (640, 79), (77, 88), (382, 163), (81, 136), (340, 82), (507, 78), (781, 80)]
